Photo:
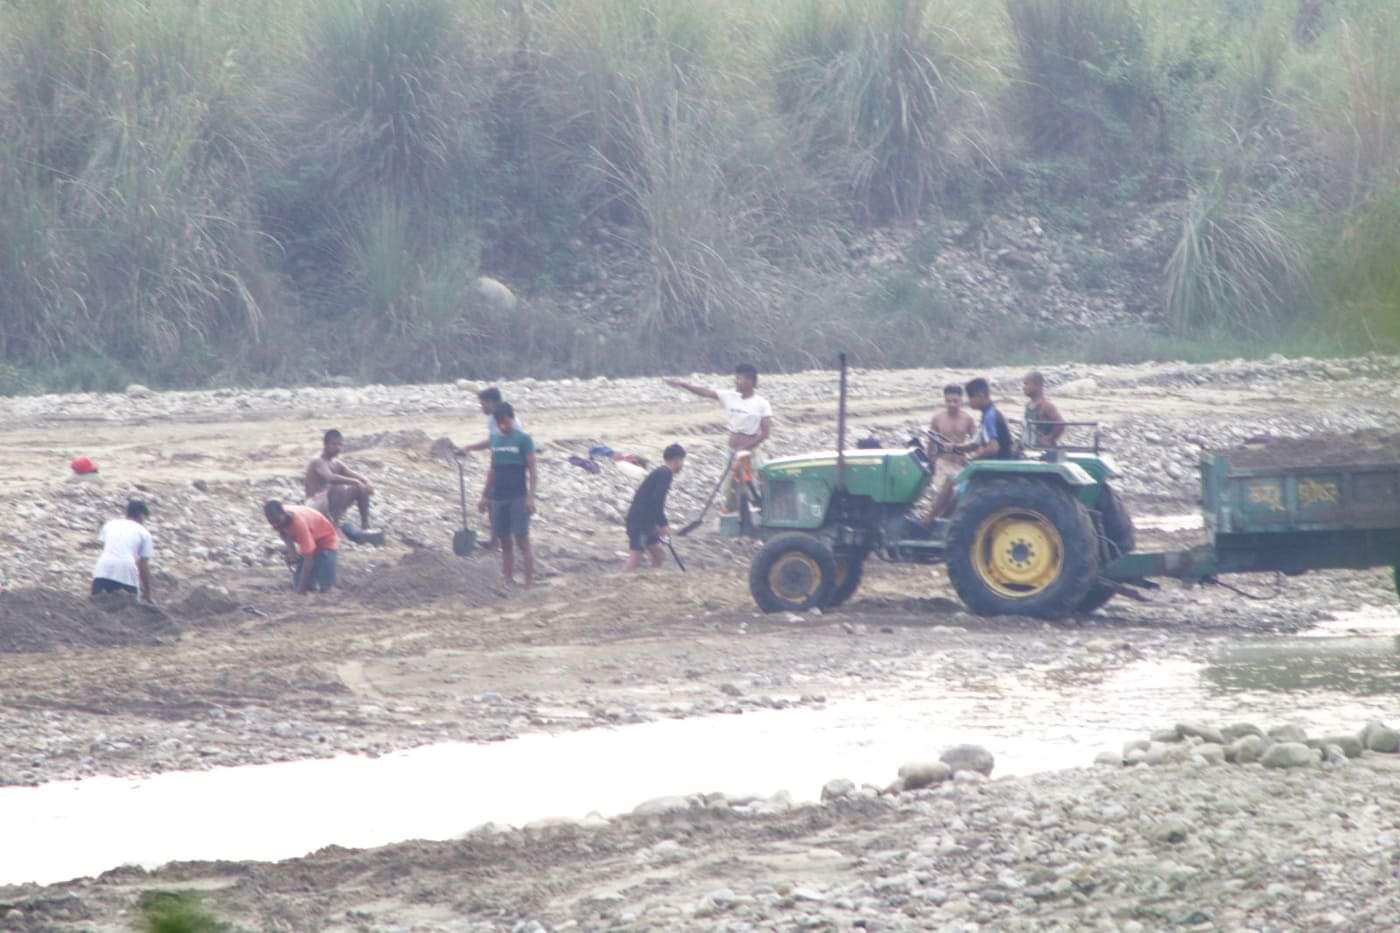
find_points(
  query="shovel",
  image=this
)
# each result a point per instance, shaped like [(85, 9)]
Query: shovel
[(672, 549), (463, 539), (708, 502)]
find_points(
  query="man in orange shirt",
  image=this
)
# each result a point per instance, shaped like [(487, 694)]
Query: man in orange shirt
[(311, 544)]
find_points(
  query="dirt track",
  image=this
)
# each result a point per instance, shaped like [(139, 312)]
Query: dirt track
[(420, 647)]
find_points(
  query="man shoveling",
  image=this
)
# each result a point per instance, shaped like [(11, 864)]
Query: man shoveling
[(127, 549), (646, 518), (311, 544)]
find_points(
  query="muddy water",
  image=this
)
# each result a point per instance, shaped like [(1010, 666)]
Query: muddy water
[(1033, 719)]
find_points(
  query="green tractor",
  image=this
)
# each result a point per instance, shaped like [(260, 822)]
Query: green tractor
[(1026, 537)]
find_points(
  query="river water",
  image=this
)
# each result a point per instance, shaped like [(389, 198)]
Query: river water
[(1032, 719)]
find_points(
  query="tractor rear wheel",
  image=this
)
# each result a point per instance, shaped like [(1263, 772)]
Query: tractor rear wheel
[(1022, 546), (1119, 538), (850, 567), (793, 572)]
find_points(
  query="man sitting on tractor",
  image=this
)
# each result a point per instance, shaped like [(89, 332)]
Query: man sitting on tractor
[(993, 442)]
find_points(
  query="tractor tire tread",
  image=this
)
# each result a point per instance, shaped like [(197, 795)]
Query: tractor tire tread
[(763, 562), (1071, 520)]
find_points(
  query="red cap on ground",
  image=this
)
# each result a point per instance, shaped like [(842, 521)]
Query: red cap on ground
[(82, 465)]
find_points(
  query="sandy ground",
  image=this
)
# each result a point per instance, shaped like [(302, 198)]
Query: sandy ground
[(420, 646)]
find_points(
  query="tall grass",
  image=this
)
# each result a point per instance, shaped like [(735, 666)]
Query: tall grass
[(1084, 85), (1238, 266), (131, 232), (286, 188), (887, 95)]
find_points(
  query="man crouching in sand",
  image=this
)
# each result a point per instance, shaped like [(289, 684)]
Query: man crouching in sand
[(311, 544)]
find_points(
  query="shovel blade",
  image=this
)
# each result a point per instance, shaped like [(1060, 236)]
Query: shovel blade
[(463, 542), (689, 528)]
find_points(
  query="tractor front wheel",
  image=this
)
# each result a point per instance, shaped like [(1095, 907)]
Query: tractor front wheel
[(1022, 547), (850, 567), (793, 573)]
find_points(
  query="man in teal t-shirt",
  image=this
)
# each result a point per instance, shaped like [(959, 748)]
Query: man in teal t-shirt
[(510, 492)]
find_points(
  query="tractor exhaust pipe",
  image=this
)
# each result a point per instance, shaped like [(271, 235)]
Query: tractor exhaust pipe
[(841, 430)]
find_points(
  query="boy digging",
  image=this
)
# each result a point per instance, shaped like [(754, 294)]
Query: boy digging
[(646, 518)]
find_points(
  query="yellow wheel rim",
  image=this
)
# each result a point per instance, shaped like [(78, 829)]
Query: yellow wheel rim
[(795, 577), (1018, 553)]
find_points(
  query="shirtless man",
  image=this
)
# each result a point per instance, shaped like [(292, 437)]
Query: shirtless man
[(991, 442), (749, 418), (956, 427), (332, 487), (1043, 425)]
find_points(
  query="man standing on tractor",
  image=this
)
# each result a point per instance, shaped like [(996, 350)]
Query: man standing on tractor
[(750, 418), (646, 518), (509, 496), (993, 442), (1043, 425), (332, 487)]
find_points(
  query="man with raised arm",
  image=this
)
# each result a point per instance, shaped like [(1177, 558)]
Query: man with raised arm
[(749, 419)]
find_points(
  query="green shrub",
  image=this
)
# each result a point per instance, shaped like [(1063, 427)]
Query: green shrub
[(1085, 87), (169, 912), (1239, 265)]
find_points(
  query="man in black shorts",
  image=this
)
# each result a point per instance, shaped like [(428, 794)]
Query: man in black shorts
[(510, 492), (646, 518)]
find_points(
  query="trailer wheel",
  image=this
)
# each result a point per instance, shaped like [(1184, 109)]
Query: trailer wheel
[(793, 572), (1022, 547), (850, 567), (1119, 538)]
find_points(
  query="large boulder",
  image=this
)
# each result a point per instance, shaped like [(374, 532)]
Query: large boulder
[(923, 774), (496, 294), (1245, 750), (1288, 733), (1378, 737), (1290, 755), (1350, 745), (839, 789), (968, 758), (1199, 730)]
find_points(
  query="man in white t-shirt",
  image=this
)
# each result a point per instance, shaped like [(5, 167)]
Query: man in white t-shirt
[(127, 549), (749, 418)]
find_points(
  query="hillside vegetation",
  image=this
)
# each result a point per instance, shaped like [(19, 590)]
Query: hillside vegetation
[(195, 190)]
